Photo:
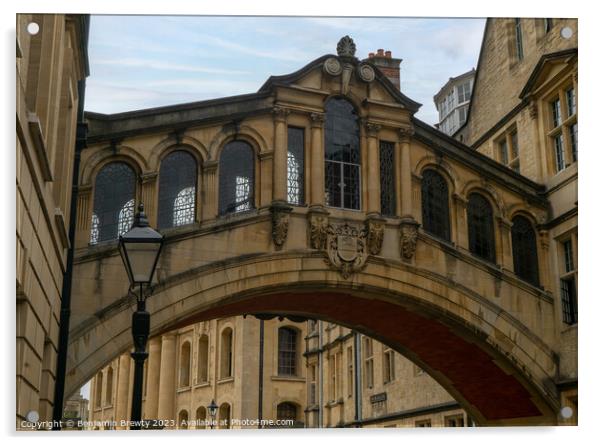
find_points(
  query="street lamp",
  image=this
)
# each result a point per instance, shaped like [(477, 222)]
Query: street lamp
[(140, 249), (212, 407)]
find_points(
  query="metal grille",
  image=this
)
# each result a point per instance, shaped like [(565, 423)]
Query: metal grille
[(480, 227), (569, 302), (287, 351), (387, 179), (435, 204), (114, 194), (236, 178), (524, 250), (177, 190), (295, 166), (342, 155)]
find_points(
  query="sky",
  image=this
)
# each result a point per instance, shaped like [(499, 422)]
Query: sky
[(141, 62)]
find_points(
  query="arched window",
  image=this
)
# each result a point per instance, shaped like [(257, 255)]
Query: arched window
[(183, 420), (524, 250), (114, 197), (226, 354), (480, 227), (287, 411), (177, 189), (98, 395), (201, 417), (287, 351), (109, 393), (185, 364), (224, 415), (203, 359), (342, 155), (435, 204), (236, 178)]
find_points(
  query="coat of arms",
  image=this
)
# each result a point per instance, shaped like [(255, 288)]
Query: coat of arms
[(346, 248)]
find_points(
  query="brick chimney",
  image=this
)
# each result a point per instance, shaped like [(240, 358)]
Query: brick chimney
[(387, 64)]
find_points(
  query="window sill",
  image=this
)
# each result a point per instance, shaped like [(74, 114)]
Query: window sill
[(203, 384), (286, 378), (225, 380), (183, 389)]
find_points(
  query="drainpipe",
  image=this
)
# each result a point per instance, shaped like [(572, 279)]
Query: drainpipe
[(260, 404), (358, 378), (321, 392), (61, 362)]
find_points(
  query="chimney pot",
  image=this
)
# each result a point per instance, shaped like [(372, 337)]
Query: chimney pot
[(380, 52), (371, 55), (388, 54)]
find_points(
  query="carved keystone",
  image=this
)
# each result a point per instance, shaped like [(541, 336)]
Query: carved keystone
[(408, 236)]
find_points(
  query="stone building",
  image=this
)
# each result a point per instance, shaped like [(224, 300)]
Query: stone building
[(452, 102), (51, 68), (523, 114)]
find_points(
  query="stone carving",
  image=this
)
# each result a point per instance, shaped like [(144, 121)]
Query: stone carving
[(408, 238), (376, 231), (372, 129), (405, 134), (280, 219), (366, 72), (280, 113), (346, 248), (317, 119), (318, 227), (332, 66), (346, 47)]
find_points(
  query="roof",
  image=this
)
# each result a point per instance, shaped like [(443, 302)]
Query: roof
[(543, 61), (453, 80)]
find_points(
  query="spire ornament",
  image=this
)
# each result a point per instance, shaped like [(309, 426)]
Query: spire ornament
[(346, 47)]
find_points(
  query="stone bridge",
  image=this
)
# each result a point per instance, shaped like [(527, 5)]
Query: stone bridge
[(484, 333)]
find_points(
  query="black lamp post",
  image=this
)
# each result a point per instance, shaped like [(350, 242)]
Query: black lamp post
[(212, 407), (140, 249)]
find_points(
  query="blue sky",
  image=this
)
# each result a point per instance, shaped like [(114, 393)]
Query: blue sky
[(147, 61)]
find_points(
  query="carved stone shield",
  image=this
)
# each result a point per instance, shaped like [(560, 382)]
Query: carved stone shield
[(347, 247)]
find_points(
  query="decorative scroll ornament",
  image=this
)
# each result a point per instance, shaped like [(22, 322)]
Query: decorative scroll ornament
[(318, 228), (346, 47), (346, 248), (376, 231), (408, 238), (366, 72), (280, 219), (332, 66)]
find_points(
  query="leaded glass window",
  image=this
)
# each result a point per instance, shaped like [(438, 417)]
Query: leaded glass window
[(387, 179), (342, 155), (177, 189), (524, 250), (287, 351), (114, 197), (295, 166), (569, 300), (236, 178), (480, 227), (435, 204)]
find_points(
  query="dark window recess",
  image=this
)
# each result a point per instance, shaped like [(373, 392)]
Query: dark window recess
[(480, 227), (567, 247), (435, 204), (114, 199), (342, 155), (177, 190), (524, 250), (236, 178), (287, 351), (286, 411), (387, 179), (569, 300), (295, 177)]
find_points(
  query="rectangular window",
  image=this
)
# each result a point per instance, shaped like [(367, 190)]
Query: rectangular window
[(423, 423), (462, 113), (567, 248), (569, 300), (368, 363), (547, 25), (573, 135), (388, 366), (514, 143), (570, 101), (463, 92), (295, 166), (387, 179), (556, 114), (519, 39), (454, 421), (503, 148), (559, 150), (350, 379)]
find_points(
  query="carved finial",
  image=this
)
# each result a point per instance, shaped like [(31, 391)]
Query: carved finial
[(346, 47)]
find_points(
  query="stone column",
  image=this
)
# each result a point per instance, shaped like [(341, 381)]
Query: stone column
[(504, 244), (152, 383), (543, 255), (85, 207), (148, 196), (209, 198), (317, 160), (541, 159), (167, 378), (405, 135), (264, 180), (279, 167), (461, 226), (123, 389), (373, 179)]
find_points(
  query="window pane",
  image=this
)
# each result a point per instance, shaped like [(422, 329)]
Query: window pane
[(524, 250), (569, 301), (295, 166), (519, 39), (514, 142), (236, 178), (559, 151), (570, 101), (114, 192), (504, 152), (177, 189), (435, 204), (480, 227), (387, 179), (567, 248), (556, 114), (573, 134), (287, 351)]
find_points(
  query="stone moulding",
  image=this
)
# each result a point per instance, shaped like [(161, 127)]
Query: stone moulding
[(376, 230), (408, 236), (280, 220)]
